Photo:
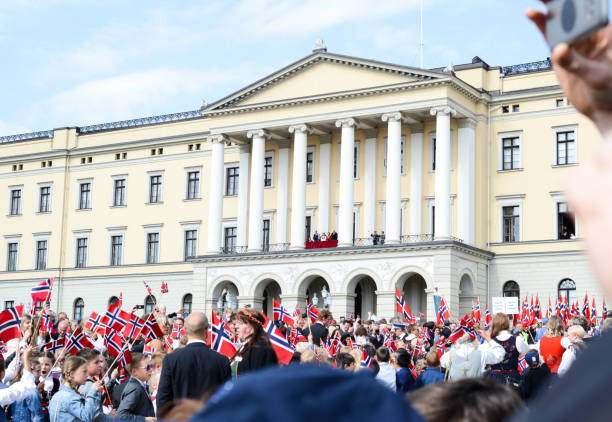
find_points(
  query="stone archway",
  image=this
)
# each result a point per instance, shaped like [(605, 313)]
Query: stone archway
[(225, 296), (311, 290), (363, 287), (466, 295), (412, 286), (267, 291)]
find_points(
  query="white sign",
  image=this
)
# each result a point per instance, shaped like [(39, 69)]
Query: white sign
[(504, 305)]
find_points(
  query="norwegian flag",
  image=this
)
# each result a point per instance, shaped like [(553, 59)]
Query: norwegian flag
[(538, 309), (593, 313), (124, 357), (366, 360), (477, 314), (152, 330), (113, 342), (402, 306), (117, 319), (9, 323), (421, 315), (586, 311), (55, 345), (313, 312), (443, 313), (388, 342), (122, 377), (549, 311), (148, 288), (45, 324), (77, 341), (472, 313), (134, 327), (164, 287), (440, 346), (218, 339), (488, 318), (119, 302), (148, 351), (177, 331), (604, 310), (42, 291), (284, 351), (522, 364), (97, 323), (168, 344), (466, 326), (296, 312), (281, 314)]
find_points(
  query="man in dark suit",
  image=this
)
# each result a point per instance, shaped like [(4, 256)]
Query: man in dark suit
[(319, 328), (135, 401), (194, 370)]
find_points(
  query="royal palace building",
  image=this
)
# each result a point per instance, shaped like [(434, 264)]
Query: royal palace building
[(442, 182)]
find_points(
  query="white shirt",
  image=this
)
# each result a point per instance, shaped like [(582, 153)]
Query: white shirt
[(568, 358), (196, 341), (490, 353), (18, 391), (386, 375), (521, 346)]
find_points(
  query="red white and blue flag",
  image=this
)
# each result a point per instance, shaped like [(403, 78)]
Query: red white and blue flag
[(284, 350), (177, 331), (443, 312), (148, 351), (522, 364), (97, 323), (402, 306), (113, 342), (366, 360), (42, 291), (148, 288), (313, 312), (604, 310), (586, 311), (55, 345), (296, 312), (117, 319), (77, 341), (152, 330), (164, 287), (281, 314), (593, 313), (9, 323), (134, 327), (466, 326), (477, 313), (119, 302), (45, 323), (125, 357), (488, 318), (218, 338)]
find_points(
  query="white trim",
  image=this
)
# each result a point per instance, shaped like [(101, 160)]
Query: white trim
[(188, 170), (186, 226), (114, 231), (500, 147), (310, 212), (10, 193), (152, 228), (40, 186), (565, 128), (39, 237), (509, 202), (268, 154), (559, 197), (402, 157), (81, 234), (311, 149), (78, 193), (227, 223), (11, 238), (148, 192), (235, 164), (432, 155), (118, 177)]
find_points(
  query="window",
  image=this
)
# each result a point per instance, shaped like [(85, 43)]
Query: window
[(231, 184), (402, 156), (113, 300), (85, 196), (187, 302), (356, 161), (308, 227), (266, 235), (566, 228), (511, 289), (268, 171), (505, 109), (511, 230), (567, 290), (15, 202), (193, 185), (155, 189), (41, 255), (149, 305), (11, 256), (516, 108), (8, 304), (119, 192), (310, 165), (559, 102), (81, 252), (44, 199), (230, 239), (566, 147), (116, 250), (152, 248), (191, 244), (79, 307), (432, 152), (511, 153)]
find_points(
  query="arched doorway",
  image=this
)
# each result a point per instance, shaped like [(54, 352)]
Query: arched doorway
[(365, 297), (413, 288), (316, 290), (225, 297), (267, 291), (466, 295)]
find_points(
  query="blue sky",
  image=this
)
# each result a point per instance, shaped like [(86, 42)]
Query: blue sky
[(78, 62)]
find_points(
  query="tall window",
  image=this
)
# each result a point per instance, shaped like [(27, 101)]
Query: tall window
[(266, 235), (309, 166), (85, 196), (511, 223), (566, 228), (511, 153), (566, 147), (433, 154), (308, 227), (267, 171), (81, 252), (567, 289), (149, 304), (188, 302), (41, 255), (11, 256), (79, 307), (355, 162), (402, 155), (116, 250), (119, 193), (44, 200), (511, 289), (191, 244), (8, 304), (193, 185), (230, 239), (231, 182), (155, 189), (15, 202), (152, 248)]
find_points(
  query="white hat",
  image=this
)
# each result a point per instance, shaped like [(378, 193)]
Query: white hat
[(410, 337)]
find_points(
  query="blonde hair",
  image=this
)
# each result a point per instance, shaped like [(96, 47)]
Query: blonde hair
[(70, 365), (555, 327), (576, 330)]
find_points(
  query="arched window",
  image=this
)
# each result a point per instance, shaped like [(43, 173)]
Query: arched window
[(149, 304), (79, 307), (187, 302), (567, 289), (512, 289), (113, 300)]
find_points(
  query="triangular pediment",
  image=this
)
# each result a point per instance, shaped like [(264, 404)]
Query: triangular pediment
[(323, 74)]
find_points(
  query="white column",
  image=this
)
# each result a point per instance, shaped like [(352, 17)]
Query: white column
[(369, 197), (347, 156), (298, 186), (215, 199), (282, 192), (324, 182), (443, 164), (243, 196), (394, 177), (465, 180), (416, 179), (257, 185)]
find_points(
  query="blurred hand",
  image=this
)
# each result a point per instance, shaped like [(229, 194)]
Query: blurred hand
[(26, 359), (484, 334), (97, 385), (115, 373), (584, 70)]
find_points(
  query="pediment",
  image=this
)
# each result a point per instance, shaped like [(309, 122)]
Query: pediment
[(322, 74)]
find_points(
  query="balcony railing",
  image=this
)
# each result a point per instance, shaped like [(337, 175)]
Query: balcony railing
[(272, 247)]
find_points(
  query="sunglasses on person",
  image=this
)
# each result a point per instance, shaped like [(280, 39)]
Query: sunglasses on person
[(148, 367)]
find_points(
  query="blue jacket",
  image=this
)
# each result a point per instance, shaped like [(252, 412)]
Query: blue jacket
[(28, 410), (429, 376), (404, 381), (68, 406)]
